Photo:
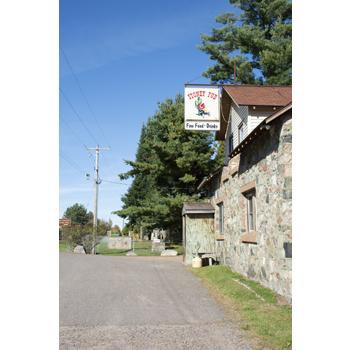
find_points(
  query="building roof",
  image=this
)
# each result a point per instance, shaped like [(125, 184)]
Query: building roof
[(209, 177), (247, 141), (258, 130), (255, 95), (250, 95), (197, 208)]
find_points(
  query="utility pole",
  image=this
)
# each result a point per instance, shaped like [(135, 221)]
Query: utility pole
[(97, 180)]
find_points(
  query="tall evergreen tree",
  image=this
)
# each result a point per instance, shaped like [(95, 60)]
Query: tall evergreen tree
[(142, 182), (170, 163), (260, 38)]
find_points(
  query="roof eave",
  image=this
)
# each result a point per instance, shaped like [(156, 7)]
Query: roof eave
[(202, 211), (209, 178), (225, 96), (259, 128)]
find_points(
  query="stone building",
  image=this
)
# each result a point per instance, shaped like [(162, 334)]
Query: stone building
[(252, 193)]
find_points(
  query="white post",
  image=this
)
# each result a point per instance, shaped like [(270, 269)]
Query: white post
[(96, 199), (97, 182)]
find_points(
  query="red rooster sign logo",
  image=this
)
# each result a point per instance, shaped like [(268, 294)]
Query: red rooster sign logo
[(201, 107)]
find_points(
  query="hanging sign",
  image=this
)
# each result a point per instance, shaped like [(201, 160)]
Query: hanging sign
[(202, 108)]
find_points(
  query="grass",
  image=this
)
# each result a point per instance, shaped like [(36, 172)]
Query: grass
[(178, 247), (103, 249), (268, 321), (64, 247), (144, 248), (141, 248)]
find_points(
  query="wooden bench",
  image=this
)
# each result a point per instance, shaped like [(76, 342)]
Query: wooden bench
[(209, 256)]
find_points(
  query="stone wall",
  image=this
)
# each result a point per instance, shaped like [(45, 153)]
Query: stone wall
[(122, 242), (265, 164), (199, 232)]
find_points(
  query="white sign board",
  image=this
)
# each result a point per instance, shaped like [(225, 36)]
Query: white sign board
[(202, 108)]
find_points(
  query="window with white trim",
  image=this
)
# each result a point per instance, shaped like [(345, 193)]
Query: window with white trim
[(251, 211)]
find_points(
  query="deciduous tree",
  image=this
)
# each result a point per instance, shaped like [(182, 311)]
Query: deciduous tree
[(78, 214)]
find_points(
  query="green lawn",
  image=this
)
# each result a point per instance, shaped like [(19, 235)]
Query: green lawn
[(178, 247), (141, 248), (268, 321), (63, 246)]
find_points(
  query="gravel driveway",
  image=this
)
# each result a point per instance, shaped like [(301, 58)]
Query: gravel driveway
[(139, 303)]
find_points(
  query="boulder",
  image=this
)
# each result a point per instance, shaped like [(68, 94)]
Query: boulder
[(169, 252), (79, 249), (130, 253), (158, 246)]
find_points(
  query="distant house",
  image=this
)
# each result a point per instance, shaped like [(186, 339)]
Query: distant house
[(64, 222), (252, 193)]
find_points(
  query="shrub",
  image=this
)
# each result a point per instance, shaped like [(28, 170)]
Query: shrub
[(77, 235), (80, 235), (88, 243)]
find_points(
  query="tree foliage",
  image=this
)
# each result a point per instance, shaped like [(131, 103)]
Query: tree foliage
[(78, 214), (259, 38), (81, 231), (170, 163), (116, 230), (78, 235)]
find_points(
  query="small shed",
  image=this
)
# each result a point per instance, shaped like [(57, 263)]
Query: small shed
[(197, 230)]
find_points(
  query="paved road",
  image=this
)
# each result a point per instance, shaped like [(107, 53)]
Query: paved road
[(138, 303)]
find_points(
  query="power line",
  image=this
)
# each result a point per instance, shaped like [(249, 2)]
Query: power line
[(115, 182), (71, 162), (196, 78), (78, 116), (90, 155), (82, 93), (72, 131), (78, 138)]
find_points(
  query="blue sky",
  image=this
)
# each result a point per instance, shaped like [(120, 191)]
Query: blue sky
[(127, 56)]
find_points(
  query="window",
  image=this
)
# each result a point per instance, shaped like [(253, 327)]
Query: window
[(221, 217), (249, 193), (230, 144), (240, 133), (251, 218)]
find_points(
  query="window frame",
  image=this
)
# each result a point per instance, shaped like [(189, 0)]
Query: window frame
[(239, 129), (251, 210), (230, 144), (221, 217), (249, 193)]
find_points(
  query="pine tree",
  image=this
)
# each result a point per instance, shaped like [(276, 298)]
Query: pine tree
[(170, 163), (260, 38), (142, 183)]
